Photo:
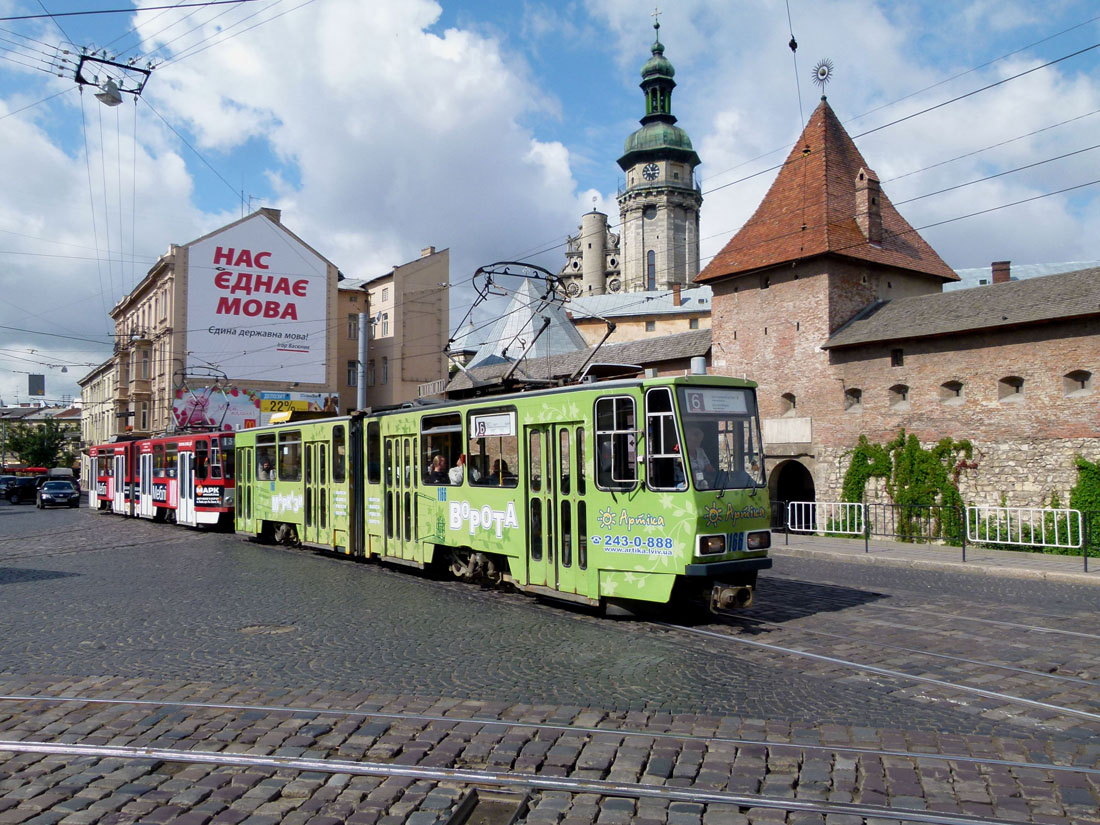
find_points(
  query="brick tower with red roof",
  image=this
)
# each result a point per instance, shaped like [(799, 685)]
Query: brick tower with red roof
[(824, 245)]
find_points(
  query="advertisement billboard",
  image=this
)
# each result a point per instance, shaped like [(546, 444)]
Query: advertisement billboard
[(257, 305), (240, 408)]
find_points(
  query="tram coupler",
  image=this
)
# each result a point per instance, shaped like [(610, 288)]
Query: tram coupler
[(724, 597)]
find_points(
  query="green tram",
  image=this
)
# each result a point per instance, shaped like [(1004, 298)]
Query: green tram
[(612, 493)]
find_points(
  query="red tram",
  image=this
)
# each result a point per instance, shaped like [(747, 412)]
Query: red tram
[(185, 478)]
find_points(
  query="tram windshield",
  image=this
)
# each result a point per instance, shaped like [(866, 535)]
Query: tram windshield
[(722, 437)]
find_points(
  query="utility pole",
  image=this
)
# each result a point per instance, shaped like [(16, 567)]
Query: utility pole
[(361, 367)]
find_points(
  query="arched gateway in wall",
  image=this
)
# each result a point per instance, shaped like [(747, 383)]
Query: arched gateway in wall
[(791, 481)]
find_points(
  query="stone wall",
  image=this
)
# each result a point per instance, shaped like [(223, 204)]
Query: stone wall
[(1023, 472)]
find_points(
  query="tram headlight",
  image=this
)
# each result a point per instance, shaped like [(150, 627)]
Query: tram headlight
[(759, 541), (712, 545), (230, 498)]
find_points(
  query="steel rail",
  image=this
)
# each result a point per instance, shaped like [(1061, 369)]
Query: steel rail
[(504, 779), (918, 651), (1018, 626), (882, 671), (624, 732)]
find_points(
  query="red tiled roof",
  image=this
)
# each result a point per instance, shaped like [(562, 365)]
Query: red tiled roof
[(810, 210)]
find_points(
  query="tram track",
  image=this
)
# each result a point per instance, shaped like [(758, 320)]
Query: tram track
[(918, 651), (881, 671), (502, 779), (1000, 623), (589, 730)]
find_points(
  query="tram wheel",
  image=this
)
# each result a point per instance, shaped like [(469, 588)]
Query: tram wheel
[(286, 534)]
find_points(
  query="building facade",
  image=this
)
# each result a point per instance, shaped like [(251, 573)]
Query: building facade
[(222, 332), (831, 301), (409, 314), (641, 315)]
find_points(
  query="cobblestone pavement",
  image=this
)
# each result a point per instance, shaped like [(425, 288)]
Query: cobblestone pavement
[(101, 608)]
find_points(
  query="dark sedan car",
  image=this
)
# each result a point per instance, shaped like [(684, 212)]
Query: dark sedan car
[(58, 494), (22, 490)]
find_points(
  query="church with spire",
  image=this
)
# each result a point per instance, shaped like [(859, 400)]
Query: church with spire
[(657, 245)]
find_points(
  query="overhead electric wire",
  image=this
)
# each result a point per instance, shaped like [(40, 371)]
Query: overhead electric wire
[(988, 86), (998, 174), (203, 23), (133, 29), (91, 197), (187, 143), (193, 51), (54, 19), (992, 146), (788, 147), (46, 67), (106, 207), (976, 68), (27, 37), (129, 10)]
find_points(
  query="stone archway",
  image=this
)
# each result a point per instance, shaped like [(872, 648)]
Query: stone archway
[(791, 481)]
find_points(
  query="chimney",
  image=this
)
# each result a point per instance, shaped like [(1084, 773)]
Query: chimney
[(1002, 272), (274, 214), (676, 300), (426, 251), (868, 206)]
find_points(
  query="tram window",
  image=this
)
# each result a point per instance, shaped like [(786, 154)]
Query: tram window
[(158, 461), (339, 454), (441, 444), (374, 453), (202, 459), (171, 458), (535, 526), (290, 455), (564, 465), (228, 457), (534, 456), (616, 443), (582, 535), (665, 464), (492, 451), (216, 458), (580, 461), (566, 535), (265, 457)]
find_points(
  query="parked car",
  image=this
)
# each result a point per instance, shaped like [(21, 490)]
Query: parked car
[(22, 490), (5, 483), (58, 494)]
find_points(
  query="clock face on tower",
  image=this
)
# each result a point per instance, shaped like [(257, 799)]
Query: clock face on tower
[(650, 171)]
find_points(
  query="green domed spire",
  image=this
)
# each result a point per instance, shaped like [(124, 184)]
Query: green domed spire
[(658, 64), (658, 137)]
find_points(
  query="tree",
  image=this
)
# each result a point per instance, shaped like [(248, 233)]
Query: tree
[(41, 445)]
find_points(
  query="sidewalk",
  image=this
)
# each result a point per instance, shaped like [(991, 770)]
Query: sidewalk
[(1065, 569)]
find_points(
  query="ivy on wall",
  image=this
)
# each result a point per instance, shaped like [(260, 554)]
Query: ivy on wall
[(914, 476), (923, 483), (1085, 496)]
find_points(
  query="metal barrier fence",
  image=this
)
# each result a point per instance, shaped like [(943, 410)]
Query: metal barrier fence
[(1024, 526), (1004, 527)]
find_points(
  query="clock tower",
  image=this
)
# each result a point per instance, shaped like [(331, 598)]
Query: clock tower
[(659, 205)]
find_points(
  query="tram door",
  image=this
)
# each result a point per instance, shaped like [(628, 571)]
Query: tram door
[(246, 472), (120, 500), (556, 487), (400, 504), (317, 492), (185, 507), (145, 485)]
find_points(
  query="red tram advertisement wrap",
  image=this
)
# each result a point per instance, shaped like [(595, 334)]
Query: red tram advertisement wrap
[(186, 479)]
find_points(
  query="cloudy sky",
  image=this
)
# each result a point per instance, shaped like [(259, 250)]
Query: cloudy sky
[(488, 126)]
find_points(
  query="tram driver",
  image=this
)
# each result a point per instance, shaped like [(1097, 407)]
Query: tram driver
[(701, 469)]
